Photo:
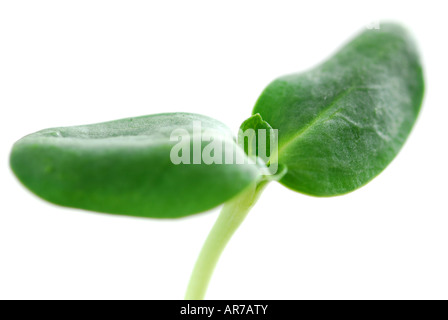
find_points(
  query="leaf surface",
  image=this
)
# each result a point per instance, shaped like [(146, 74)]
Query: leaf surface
[(124, 167), (341, 123)]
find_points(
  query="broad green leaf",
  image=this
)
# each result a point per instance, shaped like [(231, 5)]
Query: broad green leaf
[(341, 123), (124, 166)]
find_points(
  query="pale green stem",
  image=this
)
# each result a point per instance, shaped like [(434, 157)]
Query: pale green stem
[(230, 218)]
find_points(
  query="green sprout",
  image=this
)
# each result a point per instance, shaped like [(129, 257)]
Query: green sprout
[(328, 131)]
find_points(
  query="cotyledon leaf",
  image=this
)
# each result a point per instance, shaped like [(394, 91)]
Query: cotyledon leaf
[(124, 167), (341, 123)]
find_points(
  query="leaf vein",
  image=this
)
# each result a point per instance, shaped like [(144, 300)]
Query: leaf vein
[(321, 115)]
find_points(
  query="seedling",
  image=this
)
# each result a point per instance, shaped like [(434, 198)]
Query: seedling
[(339, 125)]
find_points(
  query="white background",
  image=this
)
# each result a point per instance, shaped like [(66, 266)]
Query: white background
[(75, 62)]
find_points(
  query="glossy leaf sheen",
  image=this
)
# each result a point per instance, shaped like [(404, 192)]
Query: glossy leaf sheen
[(341, 123), (124, 167)]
